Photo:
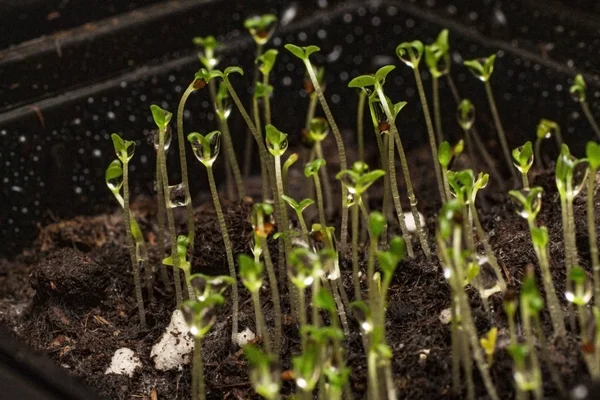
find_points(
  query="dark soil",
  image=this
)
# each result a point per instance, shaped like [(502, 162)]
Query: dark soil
[(71, 298)]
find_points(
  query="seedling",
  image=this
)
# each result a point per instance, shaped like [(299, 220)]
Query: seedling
[(307, 368), (200, 317), (318, 129), (291, 160), (162, 118), (529, 203), (206, 149), (303, 53), (437, 58), (125, 150), (592, 152), (356, 181), (262, 229), (545, 130), (266, 63), (410, 53), (523, 160), (299, 209), (446, 154), (311, 170), (482, 69), (578, 94), (207, 46), (570, 177), (488, 342), (183, 264), (391, 111), (264, 373)]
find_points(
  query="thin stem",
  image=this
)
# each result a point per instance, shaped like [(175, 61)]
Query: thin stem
[(467, 364), (499, 129), (525, 181), (198, 385), (326, 182), (588, 114), (355, 271), (430, 132), (248, 144), (217, 106), (161, 225), (372, 371), (554, 374), (341, 151), (302, 310), (257, 125), (283, 213), (591, 225), (228, 251), (260, 322), (184, 171), (446, 184), (316, 285), (131, 244), (267, 100), (408, 182), (566, 240), (274, 292), (339, 295), (360, 126), (170, 219), (456, 353), (320, 206), (486, 246), (527, 332), (437, 114), (537, 154), (391, 167), (233, 163)]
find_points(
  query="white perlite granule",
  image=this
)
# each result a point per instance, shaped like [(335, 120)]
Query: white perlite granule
[(123, 362), (244, 337), (175, 346), (410, 221)]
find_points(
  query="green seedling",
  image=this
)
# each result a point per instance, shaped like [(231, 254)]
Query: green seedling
[(318, 129), (207, 46), (385, 123), (356, 181), (307, 368), (529, 203), (592, 152), (437, 58), (302, 276), (578, 93), (125, 150), (446, 154), (261, 27), (291, 160), (266, 63), (410, 53), (200, 317), (264, 373), (303, 53), (482, 69), (183, 263), (545, 130), (570, 177), (262, 229), (311, 170), (206, 149), (162, 118), (299, 209), (523, 160), (488, 342)]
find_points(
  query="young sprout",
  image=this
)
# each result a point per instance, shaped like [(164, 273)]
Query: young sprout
[(264, 373), (262, 229), (523, 160), (465, 114), (291, 160), (251, 273), (299, 209), (360, 125), (161, 119), (391, 111), (529, 203), (410, 53), (356, 181), (312, 170), (125, 150), (200, 317), (570, 177), (183, 263), (266, 63), (488, 342), (207, 46), (446, 154), (307, 368), (437, 58), (592, 152), (545, 130), (303, 53), (301, 274), (318, 129), (206, 149), (482, 69), (578, 94)]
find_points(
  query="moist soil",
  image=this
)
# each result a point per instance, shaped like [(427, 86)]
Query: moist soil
[(70, 296)]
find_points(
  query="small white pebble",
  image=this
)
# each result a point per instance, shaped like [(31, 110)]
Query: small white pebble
[(244, 337), (410, 221), (123, 362), (175, 346), (445, 316)]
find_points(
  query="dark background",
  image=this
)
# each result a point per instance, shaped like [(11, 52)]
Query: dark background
[(74, 71)]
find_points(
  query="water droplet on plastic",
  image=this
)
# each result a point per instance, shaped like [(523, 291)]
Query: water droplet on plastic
[(177, 196)]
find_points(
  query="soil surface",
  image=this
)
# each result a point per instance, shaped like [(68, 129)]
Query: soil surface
[(70, 296)]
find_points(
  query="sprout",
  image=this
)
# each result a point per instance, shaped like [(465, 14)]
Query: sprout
[(528, 202), (488, 342), (261, 27), (445, 155), (264, 373), (592, 152), (307, 367), (466, 114), (437, 58), (318, 129), (545, 130), (205, 286), (482, 68), (582, 292), (277, 141), (527, 374), (523, 160), (207, 46), (266, 61), (578, 89), (410, 53), (299, 209), (206, 148)]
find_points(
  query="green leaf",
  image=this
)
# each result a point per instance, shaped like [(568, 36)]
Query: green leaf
[(396, 108), (260, 22), (398, 247), (304, 204), (578, 89), (312, 168), (547, 128), (466, 114), (410, 53), (262, 90), (206, 148), (481, 68), (383, 72), (124, 149), (118, 143), (362, 81), (267, 61), (325, 301), (377, 223), (277, 141), (250, 273), (444, 154), (578, 275), (302, 53), (592, 152), (234, 69), (523, 157), (161, 117), (290, 161), (114, 176), (366, 180), (208, 42)]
